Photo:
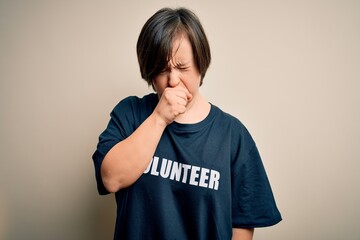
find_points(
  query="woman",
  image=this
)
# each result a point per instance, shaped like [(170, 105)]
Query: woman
[(180, 167)]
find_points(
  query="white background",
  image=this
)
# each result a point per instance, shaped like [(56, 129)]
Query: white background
[(289, 70)]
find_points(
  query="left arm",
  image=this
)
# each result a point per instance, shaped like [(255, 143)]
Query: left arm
[(242, 233)]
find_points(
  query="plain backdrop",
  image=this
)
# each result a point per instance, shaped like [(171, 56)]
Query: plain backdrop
[(289, 70)]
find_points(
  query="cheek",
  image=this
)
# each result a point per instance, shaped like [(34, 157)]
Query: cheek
[(159, 84), (191, 80)]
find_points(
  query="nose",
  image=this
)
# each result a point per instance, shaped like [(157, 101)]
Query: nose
[(173, 78)]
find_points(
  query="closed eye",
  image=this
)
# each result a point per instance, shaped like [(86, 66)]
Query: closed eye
[(183, 68)]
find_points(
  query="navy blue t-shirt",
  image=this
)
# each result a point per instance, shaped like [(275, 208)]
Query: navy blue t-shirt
[(203, 180)]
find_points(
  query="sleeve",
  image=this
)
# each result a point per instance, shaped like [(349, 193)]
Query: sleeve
[(120, 126), (253, 203)]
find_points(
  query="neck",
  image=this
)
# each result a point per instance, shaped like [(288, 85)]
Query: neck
[(196, 110)]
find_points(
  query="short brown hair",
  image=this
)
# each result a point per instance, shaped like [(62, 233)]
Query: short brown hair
[(154, 45)]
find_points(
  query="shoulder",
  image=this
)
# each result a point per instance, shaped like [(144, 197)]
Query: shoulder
[(228, 119), (134, 110), (234, 127), (134, 103), (135, 100)]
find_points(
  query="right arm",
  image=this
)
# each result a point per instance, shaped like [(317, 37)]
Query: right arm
[(128, 159)]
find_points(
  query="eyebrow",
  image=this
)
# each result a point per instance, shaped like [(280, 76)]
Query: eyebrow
[(179, 64), (182, 64)]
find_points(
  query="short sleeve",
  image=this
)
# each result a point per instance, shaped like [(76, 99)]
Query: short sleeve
[(120, 126), (253, 203)]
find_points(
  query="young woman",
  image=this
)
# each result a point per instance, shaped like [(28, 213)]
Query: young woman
[(180, 167)]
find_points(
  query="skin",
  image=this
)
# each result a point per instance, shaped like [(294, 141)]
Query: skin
[(178, 86), (179, 100), (242, 234)]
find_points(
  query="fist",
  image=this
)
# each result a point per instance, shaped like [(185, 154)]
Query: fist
[(172, 103)]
